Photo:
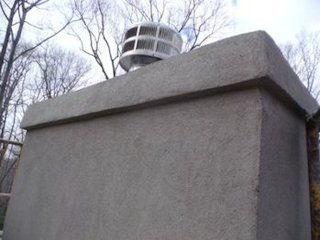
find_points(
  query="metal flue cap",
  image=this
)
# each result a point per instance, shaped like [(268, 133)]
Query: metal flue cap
[(145, 43)]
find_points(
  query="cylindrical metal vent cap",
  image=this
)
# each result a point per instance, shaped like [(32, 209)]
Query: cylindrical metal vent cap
[(145, 43)]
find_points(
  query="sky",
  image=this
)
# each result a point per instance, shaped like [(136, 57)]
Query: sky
[(282, 19)]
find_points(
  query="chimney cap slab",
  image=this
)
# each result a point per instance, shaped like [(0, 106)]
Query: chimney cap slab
[(246, 60)]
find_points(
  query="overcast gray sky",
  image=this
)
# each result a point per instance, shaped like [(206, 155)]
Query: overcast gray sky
[(282, 19)]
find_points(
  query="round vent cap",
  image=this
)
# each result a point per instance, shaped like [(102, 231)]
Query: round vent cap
[(145, 43)]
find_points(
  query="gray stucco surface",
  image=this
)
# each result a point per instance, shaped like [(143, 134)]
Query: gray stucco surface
[(247, 59), (207, 145), (283, 209), (169, 172)]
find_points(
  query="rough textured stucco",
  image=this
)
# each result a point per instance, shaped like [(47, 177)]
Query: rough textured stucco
[(249, 59), (178, 171), (207, 145), (283, 185)]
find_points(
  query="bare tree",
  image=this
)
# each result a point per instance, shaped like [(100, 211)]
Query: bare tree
[(58, 72), (14, 95), (104, 21), (14, 15), (96, 18), (304, 57)]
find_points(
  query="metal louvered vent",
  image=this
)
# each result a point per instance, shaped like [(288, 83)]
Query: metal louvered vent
[(146, 43)]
